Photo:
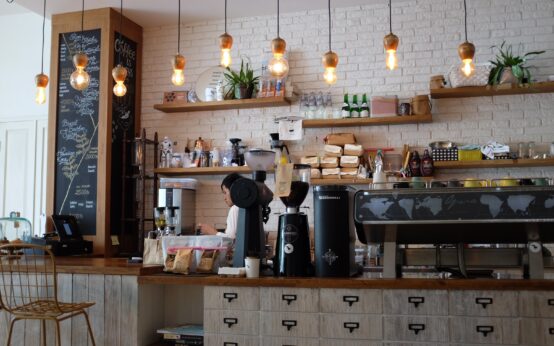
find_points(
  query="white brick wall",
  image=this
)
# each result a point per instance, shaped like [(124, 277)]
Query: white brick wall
[(429, 31)]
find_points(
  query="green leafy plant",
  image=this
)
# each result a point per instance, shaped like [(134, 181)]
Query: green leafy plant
[(505, 59), (243, 79)]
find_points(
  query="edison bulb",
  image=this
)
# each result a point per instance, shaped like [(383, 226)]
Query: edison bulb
[(468, 67), (392, 62), (278, 67), (330, 75), (178, 77), (225, 57), (79, 79), (119, 89), (40, 96)]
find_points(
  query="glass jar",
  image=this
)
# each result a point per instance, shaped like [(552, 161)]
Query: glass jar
[(531, 146)]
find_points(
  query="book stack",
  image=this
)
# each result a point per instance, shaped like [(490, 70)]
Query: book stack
[(187, 334)]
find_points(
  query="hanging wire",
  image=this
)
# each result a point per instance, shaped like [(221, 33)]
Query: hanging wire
[(278, 18), (82, 24), (390, 15), (329, 6), (225, 16), (43, 23), (120, 30), (179, 28), (465, 17)]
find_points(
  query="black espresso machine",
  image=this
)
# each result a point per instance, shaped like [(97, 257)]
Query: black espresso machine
[(472, 228)]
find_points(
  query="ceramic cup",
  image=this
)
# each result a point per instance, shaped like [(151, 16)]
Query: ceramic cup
[(418, 183), (540, 182), (252, 265)]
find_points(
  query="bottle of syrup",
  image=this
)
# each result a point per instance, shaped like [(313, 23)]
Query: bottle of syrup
[(427, 167), (415, 165)]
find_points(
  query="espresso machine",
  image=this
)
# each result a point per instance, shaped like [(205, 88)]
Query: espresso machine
[(177, 197), (252, 196), (292, 252)]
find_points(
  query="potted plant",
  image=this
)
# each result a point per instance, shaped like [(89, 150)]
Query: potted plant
[(510, 68), (241, 84)]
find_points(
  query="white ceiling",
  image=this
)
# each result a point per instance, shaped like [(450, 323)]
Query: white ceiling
[(149, 13)]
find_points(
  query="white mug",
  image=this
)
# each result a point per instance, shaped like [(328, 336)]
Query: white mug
[(210, 94), (252, 265)]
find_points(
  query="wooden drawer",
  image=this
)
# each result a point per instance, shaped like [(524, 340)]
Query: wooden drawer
[(415, 302), (289, 299), (290, 324), (485, 330), (536, 331), (416, 328), (232, 322), (483, 303), (277, 341), (230, 340), (239, 298), (355, 301), (351, 326), (412, 344), (536, 303), (335, 342)]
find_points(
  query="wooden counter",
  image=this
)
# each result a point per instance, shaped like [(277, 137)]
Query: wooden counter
[(106, 266), (458, 284)]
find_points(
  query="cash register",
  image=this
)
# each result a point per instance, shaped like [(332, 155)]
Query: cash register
[(67, 239)]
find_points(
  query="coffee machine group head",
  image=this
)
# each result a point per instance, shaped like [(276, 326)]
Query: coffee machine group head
[(252, 196), (292, 252)]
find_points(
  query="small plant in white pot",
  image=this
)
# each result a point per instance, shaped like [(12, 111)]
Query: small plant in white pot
[(510, 68)]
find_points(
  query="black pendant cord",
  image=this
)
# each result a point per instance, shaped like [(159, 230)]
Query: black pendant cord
[(120, 30), (329, 6), (225, 16), (179, 29), (390, 15), (82, 25), (465, 17), (278, 18), (43, 25)]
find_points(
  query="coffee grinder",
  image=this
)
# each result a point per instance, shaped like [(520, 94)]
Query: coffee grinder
[(252, 196), (292, 252)]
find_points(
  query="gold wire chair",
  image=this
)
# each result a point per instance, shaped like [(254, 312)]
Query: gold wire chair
[(28, 289)]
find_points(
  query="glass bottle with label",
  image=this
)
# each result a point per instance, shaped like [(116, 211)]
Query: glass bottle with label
[(345, 112), (364, 110), (427, 166), (355, 108)]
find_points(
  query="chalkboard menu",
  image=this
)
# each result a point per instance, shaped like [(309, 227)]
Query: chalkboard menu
[(123, 123), (77, 132)]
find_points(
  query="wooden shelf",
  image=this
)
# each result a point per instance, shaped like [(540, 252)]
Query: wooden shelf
[(407, 119), (221, 105), (535, 88), (340, 181), (176, 172), (493, 163)]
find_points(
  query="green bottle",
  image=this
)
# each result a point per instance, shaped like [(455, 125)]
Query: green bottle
[(355, 108), (364, 110), (345, 113)]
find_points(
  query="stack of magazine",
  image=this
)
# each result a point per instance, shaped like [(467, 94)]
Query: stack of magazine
[(187, 334)]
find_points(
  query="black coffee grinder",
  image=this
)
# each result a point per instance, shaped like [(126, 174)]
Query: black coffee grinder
[(292, 251), (252, 196)]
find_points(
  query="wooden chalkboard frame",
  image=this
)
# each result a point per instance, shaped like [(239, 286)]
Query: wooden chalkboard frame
[(107, 20)]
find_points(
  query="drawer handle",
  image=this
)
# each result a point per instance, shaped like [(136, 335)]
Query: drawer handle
[(483, 302), (485, 330), (226, 343), (230, 296), (289, 324), (416, 300), (230, 321), (351, 326), (551, 331), (416, 327), (289, 298), (551, 302), (350, 299)]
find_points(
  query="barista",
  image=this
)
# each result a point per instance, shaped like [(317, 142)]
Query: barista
[(232, 216)]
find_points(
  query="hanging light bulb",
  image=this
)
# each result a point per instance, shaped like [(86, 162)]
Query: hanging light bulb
[(330, 59), (119, 73), (466, 50), (41, 80), (80, 79), (178, 61), (391, 42), (225, 44), (278, 66)]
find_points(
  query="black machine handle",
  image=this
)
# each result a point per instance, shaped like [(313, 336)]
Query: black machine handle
[(230, 321), (351, 326), (289, 298), (289, 324), (416, 300), (551, 302), (551, 331), (230, 344), (416, 327), (230, 296), (350, 299), (483, 301), (485, 330)]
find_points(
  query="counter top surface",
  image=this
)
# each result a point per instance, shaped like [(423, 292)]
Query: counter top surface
[(106, 266)]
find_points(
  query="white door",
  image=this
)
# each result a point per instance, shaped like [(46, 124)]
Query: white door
[(18, 142)]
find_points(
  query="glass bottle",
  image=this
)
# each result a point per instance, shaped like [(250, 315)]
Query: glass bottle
[(355, 108), (328, 106), (364, 110), (531, 146), (427, 166), (415, 164), (345, 112), (312, 110)]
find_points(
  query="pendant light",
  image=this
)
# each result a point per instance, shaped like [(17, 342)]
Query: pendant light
[(80, 79), (178, 61), (41, 80), (119, 73), (330, 59), (278, 65), (225, 44), (391, 44), (466, 50)]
